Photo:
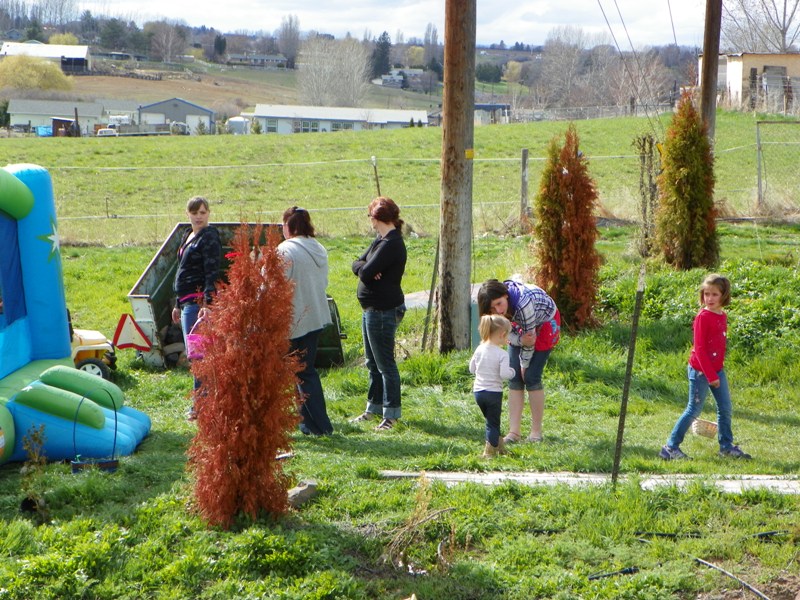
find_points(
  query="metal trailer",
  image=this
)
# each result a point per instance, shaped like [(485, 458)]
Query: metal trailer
[(152, 299)]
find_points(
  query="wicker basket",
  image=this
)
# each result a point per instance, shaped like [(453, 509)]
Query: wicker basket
[(705, 428)]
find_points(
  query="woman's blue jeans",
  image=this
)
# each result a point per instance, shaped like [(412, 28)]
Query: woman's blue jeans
[(378, 328), (698, 390), (188, 319), (312, 409)]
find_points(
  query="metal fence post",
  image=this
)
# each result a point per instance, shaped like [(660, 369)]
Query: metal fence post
[(760, 197), (524, 210)]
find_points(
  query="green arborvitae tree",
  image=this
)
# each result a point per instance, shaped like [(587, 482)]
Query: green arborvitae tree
[(685, 221), (565, 232)]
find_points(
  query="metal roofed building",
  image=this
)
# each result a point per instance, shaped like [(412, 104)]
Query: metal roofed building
[(72, 58), (278, 118)]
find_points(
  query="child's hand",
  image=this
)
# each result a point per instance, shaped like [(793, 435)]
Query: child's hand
[(714, 384)]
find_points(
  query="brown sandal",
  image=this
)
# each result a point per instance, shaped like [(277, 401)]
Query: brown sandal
[(386, 425)]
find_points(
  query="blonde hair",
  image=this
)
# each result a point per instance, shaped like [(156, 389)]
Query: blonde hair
[(490, 324), (723, 284)]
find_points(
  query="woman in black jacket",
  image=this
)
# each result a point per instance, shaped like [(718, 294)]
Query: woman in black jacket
[(199, 257), (380, 272)]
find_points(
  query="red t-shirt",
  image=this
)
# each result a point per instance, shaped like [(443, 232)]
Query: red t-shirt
[(710, 337)]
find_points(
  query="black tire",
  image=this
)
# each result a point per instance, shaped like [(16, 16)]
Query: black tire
[(95, 366)]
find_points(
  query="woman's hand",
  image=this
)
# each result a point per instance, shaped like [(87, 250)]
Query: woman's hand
[(202, 313), (176, 315), (528, 339)]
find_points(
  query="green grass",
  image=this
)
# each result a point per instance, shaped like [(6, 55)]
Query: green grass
[(133, 190), (133, 534)]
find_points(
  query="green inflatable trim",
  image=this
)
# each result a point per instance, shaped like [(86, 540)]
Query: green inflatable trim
[(103, 392), (61, 403), (16, 198), (7, 434), (14, 382)]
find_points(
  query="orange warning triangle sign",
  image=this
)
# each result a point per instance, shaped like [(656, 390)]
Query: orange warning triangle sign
[(130, 335)]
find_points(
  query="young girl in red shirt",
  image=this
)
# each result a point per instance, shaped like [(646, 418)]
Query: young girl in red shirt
[(706, 371)]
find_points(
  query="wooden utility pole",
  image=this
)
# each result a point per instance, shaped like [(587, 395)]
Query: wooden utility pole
[(708, 78), (455, 229)]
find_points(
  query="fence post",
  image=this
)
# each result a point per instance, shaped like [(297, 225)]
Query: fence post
[(760, 198), (524, 210)]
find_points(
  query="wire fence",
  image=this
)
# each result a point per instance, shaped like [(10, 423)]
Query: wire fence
[(777, 146), (134, 205)]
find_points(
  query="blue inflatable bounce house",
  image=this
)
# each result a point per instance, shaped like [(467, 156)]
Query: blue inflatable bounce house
[(82, 415)]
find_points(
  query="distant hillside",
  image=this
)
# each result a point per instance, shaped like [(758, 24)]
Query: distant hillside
[(226, 89)]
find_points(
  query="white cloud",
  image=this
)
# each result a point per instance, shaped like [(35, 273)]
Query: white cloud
[(647, 21)]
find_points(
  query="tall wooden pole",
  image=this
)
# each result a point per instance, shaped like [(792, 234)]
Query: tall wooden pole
[(708, 78), (455, 229)]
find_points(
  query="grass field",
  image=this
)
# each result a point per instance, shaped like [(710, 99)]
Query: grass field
[(133, 190), (133, 534)]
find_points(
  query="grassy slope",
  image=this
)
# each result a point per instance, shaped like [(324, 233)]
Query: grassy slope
[(215, 86), (256, 177)]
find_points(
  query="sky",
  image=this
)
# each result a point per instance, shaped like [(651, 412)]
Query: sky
[(648, 22)]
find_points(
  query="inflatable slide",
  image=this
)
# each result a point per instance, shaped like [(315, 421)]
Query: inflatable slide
[(81, 414)]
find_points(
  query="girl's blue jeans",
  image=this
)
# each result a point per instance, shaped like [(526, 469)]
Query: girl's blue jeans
[(698, 390), (378, 328), (491, 405)]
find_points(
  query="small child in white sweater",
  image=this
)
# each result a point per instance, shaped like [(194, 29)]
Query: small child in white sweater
[(490, 366)]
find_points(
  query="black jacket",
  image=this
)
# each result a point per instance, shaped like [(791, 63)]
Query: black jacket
[(387, 256), (198, 264)]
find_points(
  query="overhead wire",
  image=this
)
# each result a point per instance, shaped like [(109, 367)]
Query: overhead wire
[(639, 67), (672, 22), (627, 67)]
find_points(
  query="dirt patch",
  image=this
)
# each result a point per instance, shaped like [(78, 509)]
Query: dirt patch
[(783, 587), (208, 91)]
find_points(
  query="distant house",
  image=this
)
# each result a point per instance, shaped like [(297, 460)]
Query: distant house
[(251, 59), (311, 119), (177, 110), (752, 78), (72, 59), (491, 113), (42, 113), (14, 35)]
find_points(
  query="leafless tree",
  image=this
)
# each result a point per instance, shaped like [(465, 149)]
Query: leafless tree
[(761, 25), (431, 44), (333, 72), (289, 39), (167, 40), (643, 77), (57, 13), (562, 64)]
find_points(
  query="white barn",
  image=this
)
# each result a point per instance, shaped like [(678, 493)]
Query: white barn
[(71, 58), (275, 118)]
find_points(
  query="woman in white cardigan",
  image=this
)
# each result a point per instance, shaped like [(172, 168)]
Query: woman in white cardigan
[(307, 266)]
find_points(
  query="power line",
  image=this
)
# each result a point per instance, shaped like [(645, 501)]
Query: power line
[(672, 22), (625, 64)]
